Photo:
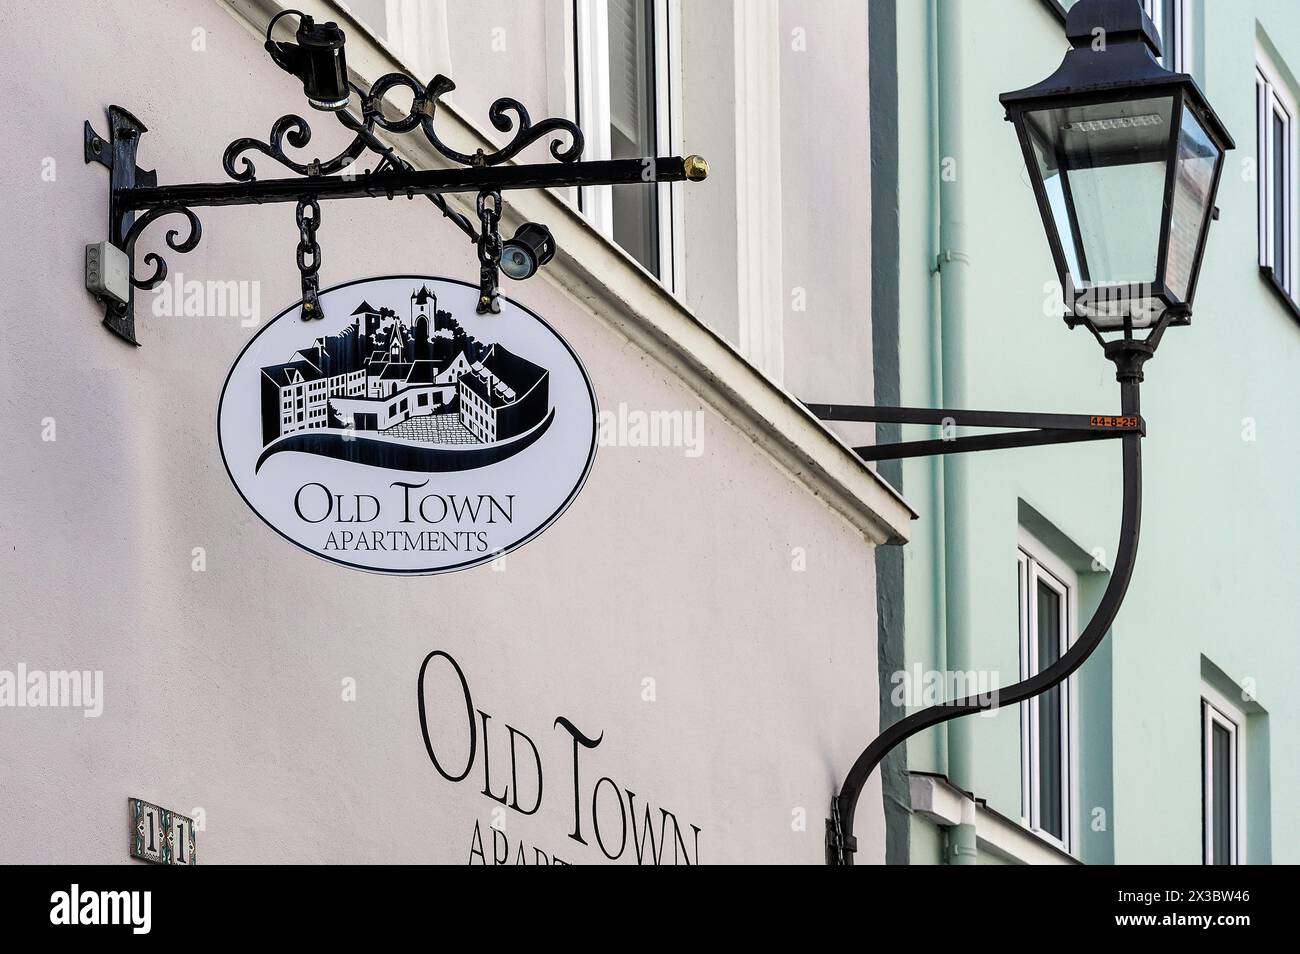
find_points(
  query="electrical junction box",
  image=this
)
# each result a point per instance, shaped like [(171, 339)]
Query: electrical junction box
[(108, 272)]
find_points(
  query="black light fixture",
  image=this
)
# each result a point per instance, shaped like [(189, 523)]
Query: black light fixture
[(531, 248), (1125, 159), (316, 59)]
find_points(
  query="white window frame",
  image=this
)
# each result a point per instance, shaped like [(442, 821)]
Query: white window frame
[(591, 49), (1274, 98), (1177, 48), (1035, 563), (1216, 709)]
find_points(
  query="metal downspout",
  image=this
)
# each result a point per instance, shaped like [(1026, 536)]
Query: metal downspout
[(953, 265)]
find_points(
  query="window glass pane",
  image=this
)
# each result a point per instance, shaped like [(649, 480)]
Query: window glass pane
[(1278, 175), (1051, 754), (409, 28), (1261, 180), (1165, 15), (1021, 623), (373, 13), (632, 124), (1198, 158), (1221, 775), (1168, 27)]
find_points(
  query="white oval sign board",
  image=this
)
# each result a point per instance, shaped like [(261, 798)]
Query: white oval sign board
[(404, 432)]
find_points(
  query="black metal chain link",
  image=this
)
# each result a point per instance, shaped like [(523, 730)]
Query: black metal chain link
[(835, 834), (489, 251), (309, 257)]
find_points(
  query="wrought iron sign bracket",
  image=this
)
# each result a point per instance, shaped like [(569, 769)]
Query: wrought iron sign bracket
[(136, 200)]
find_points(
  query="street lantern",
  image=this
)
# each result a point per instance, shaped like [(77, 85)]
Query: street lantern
[(1125, 158)]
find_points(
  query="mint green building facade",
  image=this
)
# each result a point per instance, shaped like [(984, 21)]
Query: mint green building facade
[(1177, 741)]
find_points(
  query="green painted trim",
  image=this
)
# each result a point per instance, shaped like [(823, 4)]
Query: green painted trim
[(882, 39)]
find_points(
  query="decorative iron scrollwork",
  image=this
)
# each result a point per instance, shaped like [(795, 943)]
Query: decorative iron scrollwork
[(499, 113), (135, 200), (422, 102), (423, 111), (505, 114), (188, 244), (294, 130)]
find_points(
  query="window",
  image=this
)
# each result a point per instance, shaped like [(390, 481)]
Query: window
[(1173, 21), (1275, 173), (1222, 781), (627, 93), (1047, 591), (413, 29)]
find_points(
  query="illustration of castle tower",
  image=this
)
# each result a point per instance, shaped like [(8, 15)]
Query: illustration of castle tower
[(367, 325), (424, 308), (424, 304)]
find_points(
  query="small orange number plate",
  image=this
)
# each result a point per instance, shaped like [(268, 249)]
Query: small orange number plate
[(1097, 421)]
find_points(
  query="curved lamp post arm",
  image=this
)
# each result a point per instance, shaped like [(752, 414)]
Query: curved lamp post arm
[(840, 843)]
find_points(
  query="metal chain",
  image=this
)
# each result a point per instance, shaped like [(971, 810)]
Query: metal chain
[(309, 257), (836, 833), (489, 251)]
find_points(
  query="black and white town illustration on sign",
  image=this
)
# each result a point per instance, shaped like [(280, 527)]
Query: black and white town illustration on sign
[(404, 432), (415, 391)]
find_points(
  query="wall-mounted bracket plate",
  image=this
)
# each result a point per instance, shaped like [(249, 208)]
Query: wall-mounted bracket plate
[(116, 152)]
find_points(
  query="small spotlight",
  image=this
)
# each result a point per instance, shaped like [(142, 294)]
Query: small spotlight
[(531, 248), (316, 59)]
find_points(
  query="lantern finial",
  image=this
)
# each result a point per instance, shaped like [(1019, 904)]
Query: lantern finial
[(1113, 20)]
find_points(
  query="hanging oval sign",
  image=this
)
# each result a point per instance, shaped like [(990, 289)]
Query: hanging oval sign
[(402, 432)]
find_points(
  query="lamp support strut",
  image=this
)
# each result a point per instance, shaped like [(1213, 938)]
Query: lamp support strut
[(840, 841)]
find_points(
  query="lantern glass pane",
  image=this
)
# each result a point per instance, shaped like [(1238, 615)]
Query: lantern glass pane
[(1118, 209), (1111, 160), (1194, 172), (1062, 224), (1103, 167)]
